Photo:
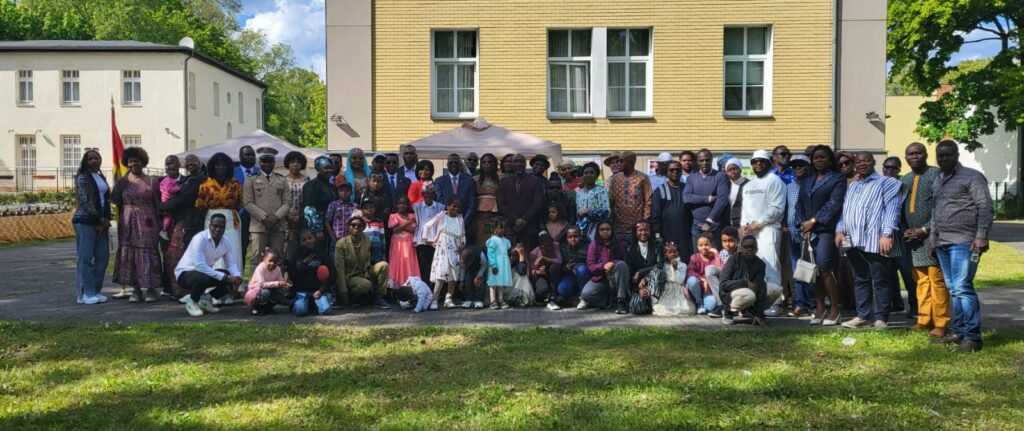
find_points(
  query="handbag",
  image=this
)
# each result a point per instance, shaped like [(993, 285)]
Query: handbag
[(806, 271)]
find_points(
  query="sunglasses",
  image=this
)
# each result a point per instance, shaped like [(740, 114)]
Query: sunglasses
[(674, 169), (784, 154), (891, 167), (845, 163)]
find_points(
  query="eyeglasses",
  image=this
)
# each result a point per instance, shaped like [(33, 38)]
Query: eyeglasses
[(784, 154)]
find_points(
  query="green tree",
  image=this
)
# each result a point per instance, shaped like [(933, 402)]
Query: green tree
[(294, 97), (923, 37)]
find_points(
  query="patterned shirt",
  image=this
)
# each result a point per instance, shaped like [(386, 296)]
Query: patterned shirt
[(963, 207), (918, 203), (630, 200), (213, 195), (792, 195), (786, 175), (338, 213), (871, 210)]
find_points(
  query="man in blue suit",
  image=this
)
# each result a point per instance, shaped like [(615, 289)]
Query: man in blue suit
[(398, 184), (456, 183), (245, 168)]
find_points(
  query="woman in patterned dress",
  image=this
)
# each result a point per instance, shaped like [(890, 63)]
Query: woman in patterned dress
[(486, 198), (296, 178), (222, 194), (591, 201), (137, 197)]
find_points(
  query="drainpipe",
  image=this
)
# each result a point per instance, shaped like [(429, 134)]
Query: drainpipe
[(836, 28), (191, 52)]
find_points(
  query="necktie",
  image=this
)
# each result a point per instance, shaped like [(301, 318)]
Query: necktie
[(455, 185), (913, 194), (393, 187)]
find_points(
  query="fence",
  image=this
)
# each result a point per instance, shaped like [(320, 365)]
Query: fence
[(31, 178)]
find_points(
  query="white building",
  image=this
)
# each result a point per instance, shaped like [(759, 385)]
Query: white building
[(56, 95)]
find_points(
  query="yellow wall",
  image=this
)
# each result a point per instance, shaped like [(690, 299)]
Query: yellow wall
[(687, 71), (904, 112)]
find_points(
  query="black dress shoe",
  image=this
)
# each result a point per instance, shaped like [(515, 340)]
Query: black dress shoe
[(621, 308), (969, 346), (948, 339)]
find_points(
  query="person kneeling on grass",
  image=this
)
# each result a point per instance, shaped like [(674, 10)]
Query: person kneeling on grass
[(267, 285), (195, 271), (743, 286), (303, 268), (358, 280)]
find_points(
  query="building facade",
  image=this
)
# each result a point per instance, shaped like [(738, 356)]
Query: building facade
[(597, 76), (57, 97)]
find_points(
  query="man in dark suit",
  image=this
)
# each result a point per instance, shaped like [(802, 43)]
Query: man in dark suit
[(409, 161), (398, 184), (520, 200), (456, 183)]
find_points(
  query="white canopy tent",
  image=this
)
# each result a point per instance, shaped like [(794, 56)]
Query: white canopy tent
[(257, 140), (482, 137)]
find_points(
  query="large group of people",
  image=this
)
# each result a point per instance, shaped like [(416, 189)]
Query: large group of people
[(803, 235)]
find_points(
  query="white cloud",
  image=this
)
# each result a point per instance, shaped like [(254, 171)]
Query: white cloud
[(299, 23)]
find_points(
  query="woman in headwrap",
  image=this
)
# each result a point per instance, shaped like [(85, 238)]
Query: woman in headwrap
[(734, 171), (646, 260), (317, 195), (357, 171)]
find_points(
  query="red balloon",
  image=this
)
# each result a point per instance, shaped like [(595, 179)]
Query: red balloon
[(322, 273)]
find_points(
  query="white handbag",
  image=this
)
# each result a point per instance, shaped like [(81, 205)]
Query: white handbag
[(806, 271)]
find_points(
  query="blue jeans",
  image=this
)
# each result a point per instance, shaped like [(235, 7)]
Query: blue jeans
[(705, 301), (300, 307), (93, 256), (571, 284), (804, 291), (958, 270)]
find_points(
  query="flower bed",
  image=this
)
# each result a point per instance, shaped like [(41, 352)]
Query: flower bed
[(35, 227)]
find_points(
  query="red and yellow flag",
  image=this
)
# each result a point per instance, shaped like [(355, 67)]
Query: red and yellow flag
[(117, 145)]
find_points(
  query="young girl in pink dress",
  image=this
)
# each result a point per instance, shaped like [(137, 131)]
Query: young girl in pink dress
[(402, 257)]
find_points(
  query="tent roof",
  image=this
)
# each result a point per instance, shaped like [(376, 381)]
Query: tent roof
[(482, 137), (257, 140)]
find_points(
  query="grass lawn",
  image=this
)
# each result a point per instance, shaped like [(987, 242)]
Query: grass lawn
[(247, 376), (1002, 265)]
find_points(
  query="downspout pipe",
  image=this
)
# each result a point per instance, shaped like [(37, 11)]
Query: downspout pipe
[(836, 75), (191, 53)]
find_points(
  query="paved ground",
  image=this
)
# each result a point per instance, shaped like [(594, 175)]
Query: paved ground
[(37, 284)]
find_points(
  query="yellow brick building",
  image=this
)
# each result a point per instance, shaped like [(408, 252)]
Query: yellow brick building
[(393, 77)]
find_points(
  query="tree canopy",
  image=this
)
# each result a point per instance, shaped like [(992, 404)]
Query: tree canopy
[(923, 37)]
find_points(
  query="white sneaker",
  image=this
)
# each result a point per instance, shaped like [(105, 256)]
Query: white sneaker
[(227, 299), (88, 300), (192, 308), (207, 306), (448, 303), (433, 305), (184, 299), (773, 311), (405, 305), (479, 305), (553, 307), (102, 298), (467, 304), (583, 305), (702, 311), (150, 296)]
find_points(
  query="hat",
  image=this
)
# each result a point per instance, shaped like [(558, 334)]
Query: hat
[(761, 154), (799, 158), (540, 158), (266, 153), (664, 157), (614, 156), (734, 161), (380, 155)]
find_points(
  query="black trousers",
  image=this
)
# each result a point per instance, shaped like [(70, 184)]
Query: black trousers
[(424, 257), (871, 288), (546, 287), (197, 283)]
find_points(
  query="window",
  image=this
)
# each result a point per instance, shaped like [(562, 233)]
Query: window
[(229, 130), (630, 72), (748, 71), (71, 154), (229, 97), (27, 162), (259, 113), (131, 140), (191, 90), (569, 72), (69, 87), (216, 99), (454, 77), (24, 87), (132, 84), (241, 109)]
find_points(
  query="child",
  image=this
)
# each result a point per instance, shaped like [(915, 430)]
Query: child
[(266, 285), (425, 211), (169, 188), (698, 288), (673, 300), (338, 213), (449, 239), (730, 247), (501, 267), (545, 271), (303, 265), (521, 292), (402, 262), (415, 291), (474, 263), (374, 229)]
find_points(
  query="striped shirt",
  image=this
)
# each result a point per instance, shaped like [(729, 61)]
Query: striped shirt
[(792, 194), (871, 210)]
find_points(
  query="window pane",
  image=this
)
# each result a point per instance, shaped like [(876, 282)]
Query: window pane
[(67, 91), (443, 46), (638, 99), (445, 76), (466, 100), (558, 76), (733, 98), (617, 42), (639, 41), (578, 77), (558, 100), (755, 72), (579, 101), (558, 43), (127, 92), (616, 98), (734, 41), (616, 74), (733, 73), (446, 100), (465, 75), (581, 43), (755, 98), (467, 44), (637, 74), (757, 40), (138, 92), (74, 88)]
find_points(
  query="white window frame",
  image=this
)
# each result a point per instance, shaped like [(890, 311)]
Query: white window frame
[(131, 87), (70, 154), (571, 60), (745, 58), (475, 61), (216, 99), (71, 78), (26, 90), (241, 108), (192, 90), (648, 59), (131, 140)]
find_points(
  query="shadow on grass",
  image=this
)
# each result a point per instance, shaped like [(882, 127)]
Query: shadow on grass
[(223, 376)]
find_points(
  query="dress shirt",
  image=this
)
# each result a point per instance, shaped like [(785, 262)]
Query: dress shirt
[(871, 210), (963, 206), (202, 254)]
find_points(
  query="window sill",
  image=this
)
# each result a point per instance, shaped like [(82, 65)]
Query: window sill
[(558, 116), (636, 116), (461, 116), (26, 105), (70, 105), (744, 115), (131, 105)]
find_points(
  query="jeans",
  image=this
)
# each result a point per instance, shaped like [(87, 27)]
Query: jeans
[(93, 256), (300, 307), (804, 292), (871, 289), (958, 270), (571, 284), (703, 300), (598, 293)]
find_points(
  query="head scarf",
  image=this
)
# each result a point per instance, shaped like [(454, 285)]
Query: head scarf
[(321, 162), (734, 161), (348, 167)]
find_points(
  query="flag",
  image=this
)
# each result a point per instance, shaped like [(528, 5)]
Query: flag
[(117, 145)]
